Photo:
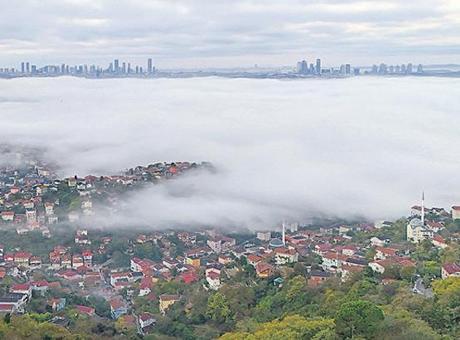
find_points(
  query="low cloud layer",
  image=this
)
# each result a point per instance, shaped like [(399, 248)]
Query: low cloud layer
[(284, 149)]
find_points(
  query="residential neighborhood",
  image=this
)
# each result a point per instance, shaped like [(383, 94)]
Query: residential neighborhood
[(135, 280)]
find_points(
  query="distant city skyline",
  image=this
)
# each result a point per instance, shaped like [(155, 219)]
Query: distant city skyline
[(241, 33), (122, 68)]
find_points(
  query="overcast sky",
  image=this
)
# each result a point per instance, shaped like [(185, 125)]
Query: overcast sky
[(224, 33)]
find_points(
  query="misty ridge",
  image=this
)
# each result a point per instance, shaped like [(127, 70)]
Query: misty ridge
[(283, 149)]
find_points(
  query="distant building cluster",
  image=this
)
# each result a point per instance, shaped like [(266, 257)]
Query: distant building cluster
[(116, 68), (303, 68), (315, 69), (403, 69)]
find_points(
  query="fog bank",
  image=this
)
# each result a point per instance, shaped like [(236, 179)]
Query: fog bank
[(285, 149)]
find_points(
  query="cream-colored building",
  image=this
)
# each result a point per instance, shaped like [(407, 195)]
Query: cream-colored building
[(417, 232)]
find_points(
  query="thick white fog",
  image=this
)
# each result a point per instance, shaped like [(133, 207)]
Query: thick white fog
[(284, 149)]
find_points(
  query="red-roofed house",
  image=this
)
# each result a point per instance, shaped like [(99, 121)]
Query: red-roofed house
[(145, 287), (22, 288), (188, 277), (213, 279), (449, 270), (40, 286), (253, 259), (439, 241), (22, 258), (382, 253), (264, 270), (85, 310), (285, 255)]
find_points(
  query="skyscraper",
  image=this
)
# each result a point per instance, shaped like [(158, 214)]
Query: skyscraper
[(27, 67), (149, 66), (22, 67), (116, 65), (299, 67), (409, 68), (318, 66)]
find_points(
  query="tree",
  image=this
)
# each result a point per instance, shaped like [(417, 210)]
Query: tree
[(218, 309), (401, 325), (292, 327), (358, 317)]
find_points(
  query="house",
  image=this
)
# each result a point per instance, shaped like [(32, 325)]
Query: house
[(382, 265), (193, 261), (66, 261), (13, 302), (450, 270), (146, 321), (417, 231), (253, 259), (69, 274), (382, 253), (85, 310), (221, 244), (224, 259), (6, 308), (7, 216), (439, 242), (376, 242), (40, 286), (22, 288), (35, 262), (456, 212), (285, 255), (21, 258), (57, 305), (213, 279), (317, 278), (264, 236), (167, 300), (435, 226), (145, 287), (349, 250), (348, 270), (117, 308), (188, 277), (263, 270), (355, 262), (87, 257), (141, 265), (331, 261), (77, 261), (81, 237), (119, 277), (323, 248), (49, 209)]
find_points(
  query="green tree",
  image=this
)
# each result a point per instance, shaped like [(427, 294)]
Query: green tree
[(218, 309), (358, 318)]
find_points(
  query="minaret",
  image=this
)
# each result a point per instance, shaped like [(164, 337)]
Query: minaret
[(284, 234), (423, 208)]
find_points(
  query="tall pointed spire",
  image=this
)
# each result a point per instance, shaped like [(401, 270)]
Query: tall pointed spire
[(423, 207), (284, 234)]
